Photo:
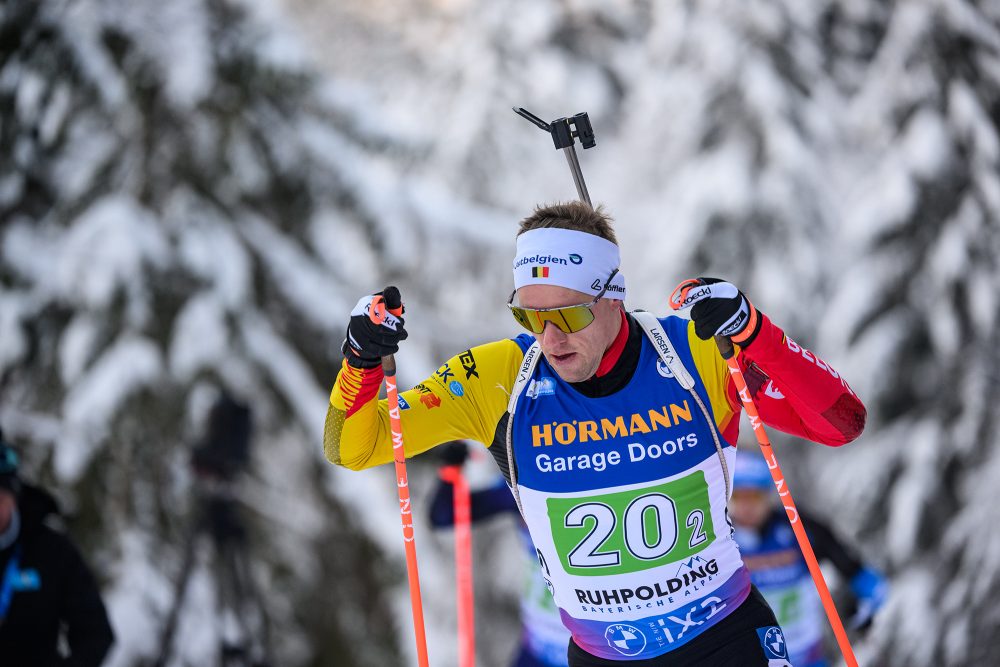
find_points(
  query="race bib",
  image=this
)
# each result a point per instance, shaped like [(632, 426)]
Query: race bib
[(629, 531)]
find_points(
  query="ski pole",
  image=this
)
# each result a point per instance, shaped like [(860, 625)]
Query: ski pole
[(564, 133), (377, 313), (726, 350), (463, 565)]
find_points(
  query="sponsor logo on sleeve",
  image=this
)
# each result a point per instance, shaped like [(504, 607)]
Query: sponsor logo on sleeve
[(445, 373), (403, 405), (813, 359), (428, 397), (468, 362)]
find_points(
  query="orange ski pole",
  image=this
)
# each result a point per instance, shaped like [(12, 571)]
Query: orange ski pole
[(377, 315), (463, 565), (726, 349)]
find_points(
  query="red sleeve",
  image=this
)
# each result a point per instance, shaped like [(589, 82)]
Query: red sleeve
[(797, 392), (358, 385)]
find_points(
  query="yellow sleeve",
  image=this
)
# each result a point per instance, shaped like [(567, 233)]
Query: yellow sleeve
[(714, 374), (464, 399)]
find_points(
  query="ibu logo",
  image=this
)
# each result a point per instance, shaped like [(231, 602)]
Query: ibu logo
[(456, 388), (626, 639), (545, 386), (403, 405), (576, 259), (663, 369)]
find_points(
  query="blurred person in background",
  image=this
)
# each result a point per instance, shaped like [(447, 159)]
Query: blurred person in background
[(778, 569), (48, 596), (616, 432), (543, 637), (219, 459)]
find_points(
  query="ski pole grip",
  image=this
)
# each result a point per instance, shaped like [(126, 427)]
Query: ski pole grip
[(678, 299), (376, 313), (389, 365), (380, 306), (725, 347)]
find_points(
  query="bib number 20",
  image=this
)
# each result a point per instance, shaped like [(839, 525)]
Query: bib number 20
[(632, 530)]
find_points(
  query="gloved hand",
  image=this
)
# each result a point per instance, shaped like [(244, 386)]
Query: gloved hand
[(871, 589), (719, 310), (366, 342), (454, 453)]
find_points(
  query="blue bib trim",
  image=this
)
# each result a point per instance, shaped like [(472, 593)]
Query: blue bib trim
[(650, 429), (626, 496)]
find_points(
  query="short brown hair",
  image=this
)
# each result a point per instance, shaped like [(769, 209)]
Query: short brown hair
[(571, 215)]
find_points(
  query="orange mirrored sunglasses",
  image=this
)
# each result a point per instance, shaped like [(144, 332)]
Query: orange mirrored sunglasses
[(569, 319)]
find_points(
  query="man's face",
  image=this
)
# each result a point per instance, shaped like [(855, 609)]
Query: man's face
[(7, 504), (576, 356), (749, 508)]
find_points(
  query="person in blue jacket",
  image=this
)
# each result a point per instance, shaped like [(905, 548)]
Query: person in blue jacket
[(543, 637), (779, 571)]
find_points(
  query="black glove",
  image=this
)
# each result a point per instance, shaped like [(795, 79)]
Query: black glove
[(722, 310), (366, 342), (454, 453)]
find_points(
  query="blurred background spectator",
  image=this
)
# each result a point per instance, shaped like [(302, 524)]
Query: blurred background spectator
[(51, 611)]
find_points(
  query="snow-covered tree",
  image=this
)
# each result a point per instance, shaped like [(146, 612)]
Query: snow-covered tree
[(918, 308), (184, 211), (194, 193)]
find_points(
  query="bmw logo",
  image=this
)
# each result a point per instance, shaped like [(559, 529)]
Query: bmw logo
[(775, 641), (626, 639)]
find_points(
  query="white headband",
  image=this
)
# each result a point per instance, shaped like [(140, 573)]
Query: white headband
[(568, 258)]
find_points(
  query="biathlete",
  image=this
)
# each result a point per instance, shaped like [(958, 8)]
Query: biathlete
[(616, 432)]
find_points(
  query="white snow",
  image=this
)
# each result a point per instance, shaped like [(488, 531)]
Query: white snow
[(316, 294), (13, 309), (288, 372), (105, 250), (138, 584), (177, 39), (200, 337), (130, 363), (77, 347), (926, 144), (211, 250)]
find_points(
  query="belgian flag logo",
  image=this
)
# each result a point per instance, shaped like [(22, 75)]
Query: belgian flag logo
[(539, 272)]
